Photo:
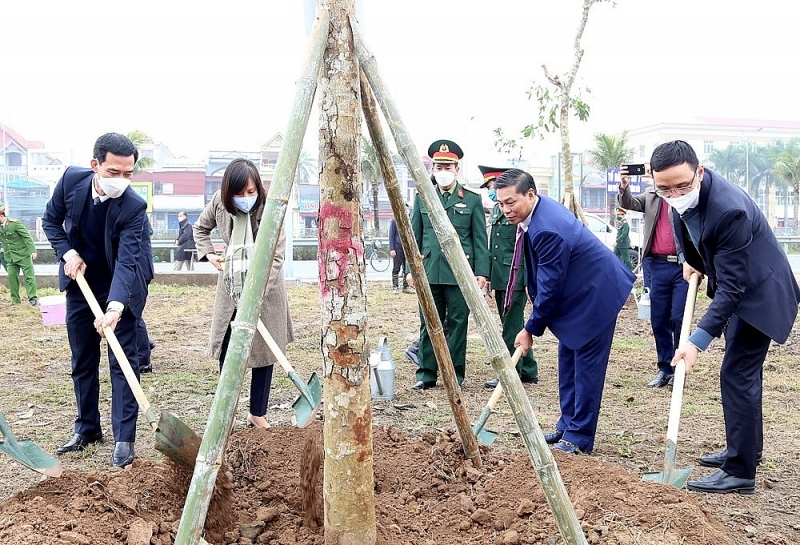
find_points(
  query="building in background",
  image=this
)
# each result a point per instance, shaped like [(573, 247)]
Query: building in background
[(28, 174)]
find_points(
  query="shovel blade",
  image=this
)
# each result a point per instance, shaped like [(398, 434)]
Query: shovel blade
[(677, 477), (176, 440), (485, 436), (32, 456), (307, 403)]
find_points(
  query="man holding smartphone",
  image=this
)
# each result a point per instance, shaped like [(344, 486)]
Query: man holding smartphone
[(663, 271)]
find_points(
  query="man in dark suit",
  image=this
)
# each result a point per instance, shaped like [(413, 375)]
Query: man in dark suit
[(97, 226), (667, 287), (464, 209), (511, 309), (578, 287), (723, 235)]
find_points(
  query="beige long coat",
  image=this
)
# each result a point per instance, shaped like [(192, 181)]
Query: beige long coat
[(275, 308)]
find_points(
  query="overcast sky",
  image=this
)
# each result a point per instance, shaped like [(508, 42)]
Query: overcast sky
[(220, 75)]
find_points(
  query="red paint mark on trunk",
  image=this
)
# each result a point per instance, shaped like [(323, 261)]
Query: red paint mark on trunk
[(335, 219)]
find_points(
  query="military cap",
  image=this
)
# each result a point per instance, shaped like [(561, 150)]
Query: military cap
[(490, 173), (445, 151)]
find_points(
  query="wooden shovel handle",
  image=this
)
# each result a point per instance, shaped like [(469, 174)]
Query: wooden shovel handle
[(276, 350), (680, 368), (498, 390), (122, 359)]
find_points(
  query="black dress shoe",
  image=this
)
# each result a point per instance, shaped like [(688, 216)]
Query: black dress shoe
[(152, 343), (123, 454), (423, 385), (661, 380), (720, 482), (491, 384), (716, 459), (553, 437), (79, 442), (566, 446), (33, 301), (534, 380), (146, 368)]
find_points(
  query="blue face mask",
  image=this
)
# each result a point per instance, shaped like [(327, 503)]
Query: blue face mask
[(493, 195), (245, 204)]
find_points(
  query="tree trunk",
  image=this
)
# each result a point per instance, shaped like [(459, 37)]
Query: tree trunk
[(348, 465)]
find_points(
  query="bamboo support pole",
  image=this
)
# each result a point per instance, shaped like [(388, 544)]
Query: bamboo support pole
[(540, 454), (220, 421), (468, 440)]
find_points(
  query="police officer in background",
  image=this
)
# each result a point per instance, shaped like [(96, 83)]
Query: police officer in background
[(464, 209), (502, 240)]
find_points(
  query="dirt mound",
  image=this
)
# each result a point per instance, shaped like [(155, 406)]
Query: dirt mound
[(425, 493)]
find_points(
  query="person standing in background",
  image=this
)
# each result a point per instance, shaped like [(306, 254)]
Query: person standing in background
[(663, 274), (502, 241), (185, 243), (464, 210), (19, 252), (622, 246), (398, 258)]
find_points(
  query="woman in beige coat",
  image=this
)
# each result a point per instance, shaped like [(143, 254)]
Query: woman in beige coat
[(235, 211)]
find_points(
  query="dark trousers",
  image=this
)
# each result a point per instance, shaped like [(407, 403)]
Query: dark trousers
[(451, 307), (581, 376), (398, 264), (260, 382), (143, 339), (85, 344), (513, 321), (668, 292), (741, 383)]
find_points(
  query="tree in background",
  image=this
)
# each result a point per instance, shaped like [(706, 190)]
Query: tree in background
[(729, 162), (787, 169), (139, 138), (555, 104), (610, 152)]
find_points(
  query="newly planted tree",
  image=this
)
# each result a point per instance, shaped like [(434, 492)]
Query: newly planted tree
[(556, 102)]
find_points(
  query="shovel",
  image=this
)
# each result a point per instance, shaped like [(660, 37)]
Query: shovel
[(670, 475), (173, 438), (27, 452), (485, 436), (307, 403)]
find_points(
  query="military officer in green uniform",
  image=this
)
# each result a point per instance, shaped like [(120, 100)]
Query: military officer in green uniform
[(502, 240), (464, 209), (19, 251), (622, 246)]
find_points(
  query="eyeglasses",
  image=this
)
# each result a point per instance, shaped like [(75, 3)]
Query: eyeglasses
[(682, 189)]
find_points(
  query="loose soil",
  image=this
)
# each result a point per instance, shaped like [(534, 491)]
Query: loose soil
[(425, 491)]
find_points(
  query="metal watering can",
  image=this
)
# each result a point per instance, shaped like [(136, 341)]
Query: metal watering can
[(643, 304), (381, 371)]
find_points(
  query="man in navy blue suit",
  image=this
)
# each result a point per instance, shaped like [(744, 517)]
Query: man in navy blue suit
[(723, 235), (578, 287), (97, 226)]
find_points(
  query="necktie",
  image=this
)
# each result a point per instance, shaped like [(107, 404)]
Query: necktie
[(445, 197), (97, 201), (512, 276)]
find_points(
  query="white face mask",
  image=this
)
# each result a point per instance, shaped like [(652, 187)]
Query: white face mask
[(444, 178), (682, 203), (113, 187), (245, 204)]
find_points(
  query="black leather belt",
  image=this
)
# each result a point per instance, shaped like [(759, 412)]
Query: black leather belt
[(667, 258)]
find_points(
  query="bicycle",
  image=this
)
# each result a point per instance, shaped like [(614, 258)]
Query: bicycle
[(377, 257)]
